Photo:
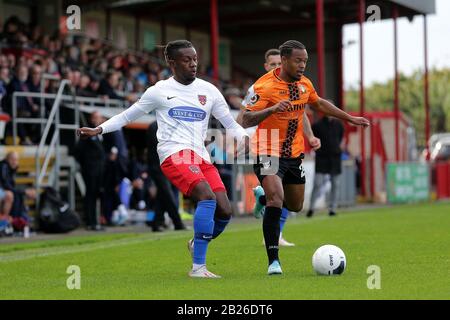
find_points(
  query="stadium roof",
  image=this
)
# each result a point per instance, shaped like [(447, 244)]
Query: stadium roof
[(237, 16)]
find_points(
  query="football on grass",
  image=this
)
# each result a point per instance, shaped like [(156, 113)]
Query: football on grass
[(329, 260)]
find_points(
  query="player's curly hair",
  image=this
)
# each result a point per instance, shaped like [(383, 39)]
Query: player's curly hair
[(287, 47), (172, 47)]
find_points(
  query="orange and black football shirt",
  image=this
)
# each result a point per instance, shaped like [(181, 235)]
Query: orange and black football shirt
[(280, 134)]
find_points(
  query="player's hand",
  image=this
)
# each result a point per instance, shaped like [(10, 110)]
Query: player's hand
[(86, 132), (314, 142), (281, 106), (359, 121)]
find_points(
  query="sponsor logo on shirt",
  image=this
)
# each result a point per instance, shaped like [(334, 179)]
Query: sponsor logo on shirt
[(189, 114)]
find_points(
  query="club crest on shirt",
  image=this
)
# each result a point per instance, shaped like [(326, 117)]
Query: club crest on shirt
[(302, 89), (202, 99), (195, 169)]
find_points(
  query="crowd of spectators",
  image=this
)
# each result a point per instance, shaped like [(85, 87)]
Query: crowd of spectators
[(95, 68)]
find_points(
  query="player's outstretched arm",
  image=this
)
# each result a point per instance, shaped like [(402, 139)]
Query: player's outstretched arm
[(115, 123), (143, 106), (253, 118), (330, 109)]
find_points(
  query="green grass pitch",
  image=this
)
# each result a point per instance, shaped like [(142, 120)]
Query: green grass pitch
[(410, 244)]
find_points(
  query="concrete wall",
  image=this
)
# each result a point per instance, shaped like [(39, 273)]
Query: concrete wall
[(50, 12), (123, 30), (150, 35), (94, 24)]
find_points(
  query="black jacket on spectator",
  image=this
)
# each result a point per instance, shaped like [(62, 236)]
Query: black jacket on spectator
[(3, 92), (8, 182), (166, 200), (328, 157), (7, 177), (106, 90), (24, 105), (91, 156), (117, 139), (34, 88), (152, 143), (86, 92)]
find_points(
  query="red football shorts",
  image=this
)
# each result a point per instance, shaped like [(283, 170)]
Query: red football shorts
[(185, 169)]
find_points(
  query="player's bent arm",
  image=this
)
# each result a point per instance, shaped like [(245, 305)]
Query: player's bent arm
[(253, 118)]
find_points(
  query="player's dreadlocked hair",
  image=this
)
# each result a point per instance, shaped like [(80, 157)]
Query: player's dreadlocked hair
[(287, 47), (271, 52), (173, 46)]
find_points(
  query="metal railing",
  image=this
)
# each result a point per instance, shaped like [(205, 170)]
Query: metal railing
[(54, 147), (75, 100), (60, 99), (44, 77)]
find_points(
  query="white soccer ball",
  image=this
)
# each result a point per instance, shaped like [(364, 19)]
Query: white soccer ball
[(329, 260)]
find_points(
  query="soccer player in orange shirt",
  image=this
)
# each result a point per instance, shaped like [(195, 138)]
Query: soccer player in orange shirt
[(272, 61), (276, 105)]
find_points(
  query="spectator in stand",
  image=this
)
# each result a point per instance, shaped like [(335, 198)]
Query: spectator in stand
[(130, 79), (34, 80), (110, 84), (117, 139), (166, 199), (11, 61), (6, 203), (90, 154), (330, 131), (25, 105), (94, 85), (83, 87), (34, 85), (4, 63), (10, 30), (112, 177), (233, 98), (4, 81), (18, 210)]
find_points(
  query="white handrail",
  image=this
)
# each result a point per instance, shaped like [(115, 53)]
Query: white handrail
[(78, 99), (54, 142)]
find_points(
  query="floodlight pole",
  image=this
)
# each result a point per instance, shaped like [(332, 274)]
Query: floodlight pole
[(426, 88), (396, 82), (320, 47), (214, 39), (341, 68), (361, 16)]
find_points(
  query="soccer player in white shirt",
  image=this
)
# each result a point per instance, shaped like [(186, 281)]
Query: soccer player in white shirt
[(183, 106)]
